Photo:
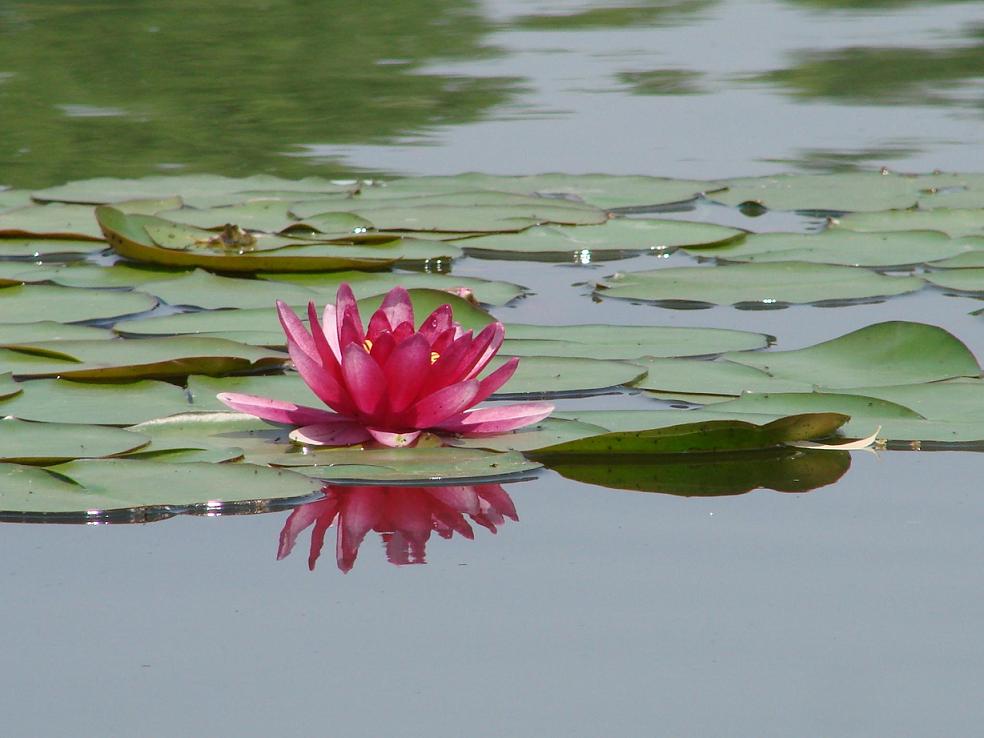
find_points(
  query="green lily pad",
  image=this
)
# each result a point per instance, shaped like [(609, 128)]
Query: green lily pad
[(614, 238), (551, 376), (33, 303), (50, 330), (603, 191), (206, 290), (849, 192), (64, 401), (959, 399), (960, 280), (896, 352), (363, 284), (969, 260), (128, 236), (50, 221), (782, 282), (713, 436), (842, 247), (119, 484), (712, 475), (47, 247), (709, 381), (287, 387), (85, 275), (197, 190), (24, 442), (256, 215), (8, 387), (625, 342), (545, 433), (149, 358), (10, 199), (868, 415), (954, 223)]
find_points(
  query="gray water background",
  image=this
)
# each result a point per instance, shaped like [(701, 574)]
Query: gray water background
[(852, 610)]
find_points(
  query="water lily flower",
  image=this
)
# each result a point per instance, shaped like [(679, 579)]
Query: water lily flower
[(390, 381), (403, 516)]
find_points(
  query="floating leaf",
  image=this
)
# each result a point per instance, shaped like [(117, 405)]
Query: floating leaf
[(50, 221), (205, 290), (961, 280), (287, 387), (545, 433), (896, 352), (550, 376), (625, 342), (64, 401), (48, 247), (26, 442), (8, 387), (118, 484), (33, 303), (363, 284), (709, 381), (842, 247), (197, 190), (954, 223), (710, 475), (781, 282), (853, 191), (49, 330), (712, 436), (150, 358), (85, 275), (969, 260), (611, 240)]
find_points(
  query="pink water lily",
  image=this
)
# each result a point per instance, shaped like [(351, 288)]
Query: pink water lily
[(405, 517), (390, 381)]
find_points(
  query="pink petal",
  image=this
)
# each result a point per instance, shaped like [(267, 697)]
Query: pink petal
[(295, 330), (322, 383), (377, 324), (446, 370), (406, 371), (276, 411), (499, 419), (488, 386), (324, 350), (441, 405), (347, 319), (398, 308), (329, 326), (330, 434), (498, 334), (365, 380), (382, 347), (393, 440), (436, 323)]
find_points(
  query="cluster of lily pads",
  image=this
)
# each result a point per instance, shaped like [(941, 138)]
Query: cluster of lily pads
[(126, 306)]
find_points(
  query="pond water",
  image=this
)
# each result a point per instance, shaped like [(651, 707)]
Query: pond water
[(850, 610)]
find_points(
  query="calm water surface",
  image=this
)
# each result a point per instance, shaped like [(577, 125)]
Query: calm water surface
[(851, 610)]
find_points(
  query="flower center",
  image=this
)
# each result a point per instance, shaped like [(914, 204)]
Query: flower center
[(367, 345)]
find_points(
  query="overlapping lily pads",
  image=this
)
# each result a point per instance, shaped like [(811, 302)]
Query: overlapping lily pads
[(953, 222), (32, 303), (781, 282)]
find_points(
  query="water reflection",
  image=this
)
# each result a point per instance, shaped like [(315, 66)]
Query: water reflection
[(404, 517)]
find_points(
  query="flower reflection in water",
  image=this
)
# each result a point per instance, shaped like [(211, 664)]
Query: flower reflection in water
[(403, 516)]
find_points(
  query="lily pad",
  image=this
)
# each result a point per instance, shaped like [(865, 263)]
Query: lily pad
[(50, 221), (24, 442), (842, 247), (197, 190), (287, 387), (625, 342), (615, 238), (849, 192), (46, 247), (128, 236), (32, 303), (150, 358), (203, 289), (895, 352), (118, 484), (960, 280), (64, 401), (969, 260), (710, 381), (85, 275), (782, 282), (712, 475), (954, 223), (550, 376), (50, 330), (8, 387), (712, 436), (363, 284)]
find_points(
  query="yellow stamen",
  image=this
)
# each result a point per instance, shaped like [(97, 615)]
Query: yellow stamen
[(434, 356), (367, 344)]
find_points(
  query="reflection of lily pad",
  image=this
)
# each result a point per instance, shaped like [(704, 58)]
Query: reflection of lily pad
[(711, 475), (781, 282)]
